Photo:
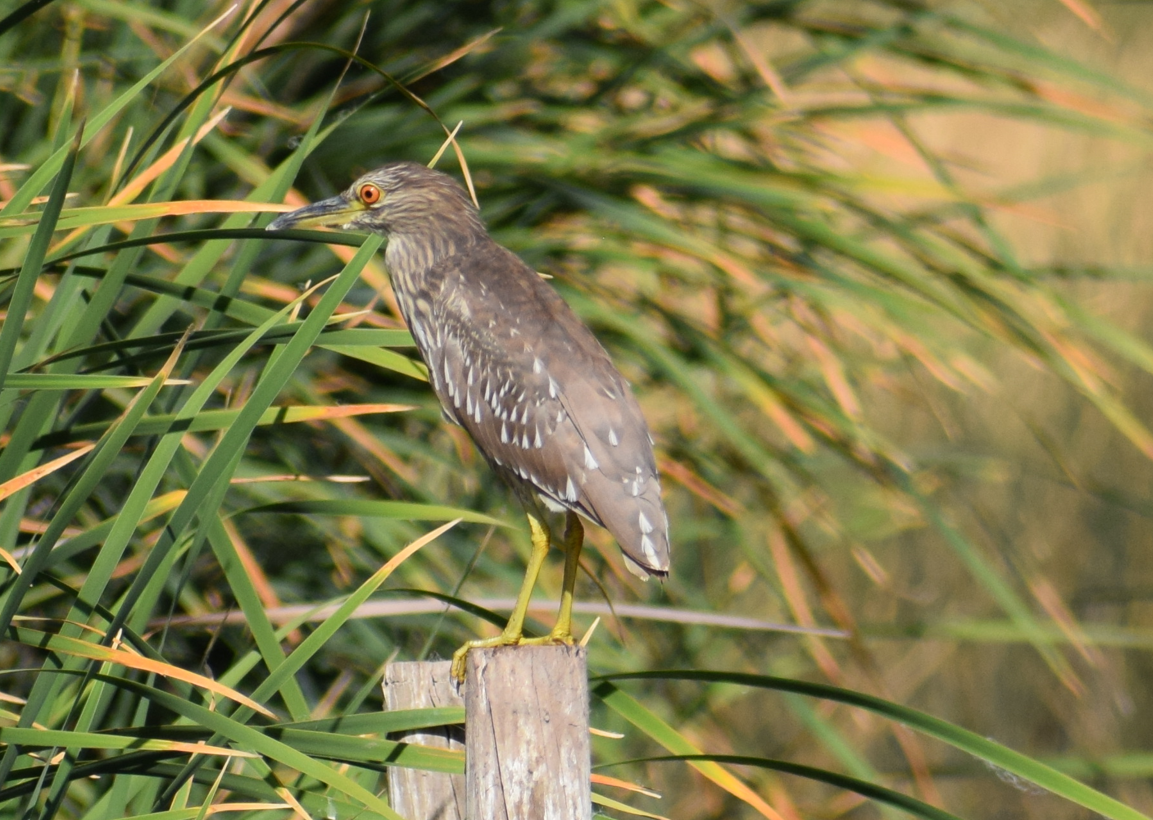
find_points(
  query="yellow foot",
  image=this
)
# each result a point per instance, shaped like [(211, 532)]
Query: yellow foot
[(554, 638)]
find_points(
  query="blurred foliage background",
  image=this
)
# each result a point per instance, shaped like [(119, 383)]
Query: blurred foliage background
[(876, 270)]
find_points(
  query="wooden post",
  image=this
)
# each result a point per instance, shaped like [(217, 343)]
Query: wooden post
[(527, 734), (414, 794)]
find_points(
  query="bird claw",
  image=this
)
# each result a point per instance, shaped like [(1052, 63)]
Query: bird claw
[(557, 637)]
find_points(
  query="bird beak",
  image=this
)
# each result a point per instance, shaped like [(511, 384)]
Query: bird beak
[(335, 212)]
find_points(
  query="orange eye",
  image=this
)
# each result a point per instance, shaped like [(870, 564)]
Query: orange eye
[(369, 194)]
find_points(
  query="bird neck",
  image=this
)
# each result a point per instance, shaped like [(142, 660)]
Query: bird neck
[(411, 257)]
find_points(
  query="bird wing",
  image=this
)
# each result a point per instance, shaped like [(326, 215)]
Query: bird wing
[(522, 374)]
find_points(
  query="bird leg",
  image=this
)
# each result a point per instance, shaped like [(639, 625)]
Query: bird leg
[(513, 632), (574, 535)]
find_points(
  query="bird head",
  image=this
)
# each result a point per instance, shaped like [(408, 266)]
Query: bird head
[(402, 198)]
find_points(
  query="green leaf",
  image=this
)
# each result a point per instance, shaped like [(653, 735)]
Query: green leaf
[(1015, 763), (75, 381), (405, 511)]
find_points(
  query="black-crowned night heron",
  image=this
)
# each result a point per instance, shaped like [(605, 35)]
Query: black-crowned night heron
[(513, 365)]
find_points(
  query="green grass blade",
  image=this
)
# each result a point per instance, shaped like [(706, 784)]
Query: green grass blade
[(405, 511), (1022, 766), (34, 259)]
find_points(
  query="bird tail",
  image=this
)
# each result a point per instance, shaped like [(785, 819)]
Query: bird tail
[(643, 571)]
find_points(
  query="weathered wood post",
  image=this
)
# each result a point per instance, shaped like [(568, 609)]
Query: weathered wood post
[(527, 734), (527, 754), (415, 794)]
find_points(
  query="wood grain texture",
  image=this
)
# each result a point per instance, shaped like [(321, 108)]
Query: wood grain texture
[(526, 734), (418, 795)]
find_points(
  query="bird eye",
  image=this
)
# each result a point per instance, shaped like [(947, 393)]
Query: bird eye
[(369, 194)]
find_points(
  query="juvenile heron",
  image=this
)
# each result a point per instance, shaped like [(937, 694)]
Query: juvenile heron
[(513, 365)]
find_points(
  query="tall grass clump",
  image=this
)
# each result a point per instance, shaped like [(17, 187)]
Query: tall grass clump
[(904, 442)]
